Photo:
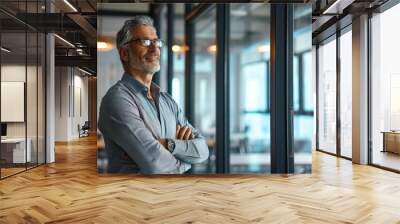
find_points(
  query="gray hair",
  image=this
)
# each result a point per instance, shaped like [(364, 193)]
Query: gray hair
[(124, 35)]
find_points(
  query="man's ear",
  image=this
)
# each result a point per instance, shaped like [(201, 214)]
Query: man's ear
[(123, 52)]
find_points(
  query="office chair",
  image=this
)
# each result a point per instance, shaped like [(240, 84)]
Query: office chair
[(84, 130)]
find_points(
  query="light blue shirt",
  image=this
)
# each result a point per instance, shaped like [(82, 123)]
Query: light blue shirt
[(131, 124)]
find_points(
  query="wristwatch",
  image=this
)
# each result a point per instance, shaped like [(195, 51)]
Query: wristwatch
[(170, 145)]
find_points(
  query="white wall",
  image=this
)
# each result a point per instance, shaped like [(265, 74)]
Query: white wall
[(17, 73), (71, 94)]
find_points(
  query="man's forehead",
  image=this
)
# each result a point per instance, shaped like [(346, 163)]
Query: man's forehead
[(144, 31)]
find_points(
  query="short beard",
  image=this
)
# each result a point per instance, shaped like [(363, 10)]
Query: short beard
[(143, 66)]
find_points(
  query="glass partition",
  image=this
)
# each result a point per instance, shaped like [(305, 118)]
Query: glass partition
[(249, 112), (15, 149), (179, 49), (327, 96), (385, 89), (22, 89), (346, 94), (303, 88), (204, 90)]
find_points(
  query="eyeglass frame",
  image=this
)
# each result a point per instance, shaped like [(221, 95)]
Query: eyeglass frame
[(152, 42)]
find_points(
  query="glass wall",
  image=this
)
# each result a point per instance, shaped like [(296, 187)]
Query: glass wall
[(385, 88), (13, 84), (22, 90), (249, 145), (303, 88), (327, 96), (204, 77), (179, 49), (249, 88), (346, 93), (163, 34)]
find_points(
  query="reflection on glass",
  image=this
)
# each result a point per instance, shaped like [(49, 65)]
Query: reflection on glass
[(14, 146), (345, 94), (302, 89), (327, 97), (163, 33), (178, 48), (249, 88), (204, 90), (385, 85)]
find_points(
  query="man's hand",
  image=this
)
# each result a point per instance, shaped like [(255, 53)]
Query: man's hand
[(184, 133), (164, 142)]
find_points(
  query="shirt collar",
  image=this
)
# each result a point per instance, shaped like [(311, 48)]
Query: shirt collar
[(139, 87)]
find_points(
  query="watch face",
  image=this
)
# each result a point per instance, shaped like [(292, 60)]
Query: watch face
[(171, 145)]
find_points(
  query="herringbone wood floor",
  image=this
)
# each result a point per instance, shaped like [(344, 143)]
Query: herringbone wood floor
[(71, 191)]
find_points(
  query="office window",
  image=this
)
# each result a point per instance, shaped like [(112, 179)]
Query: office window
[(13, 86), (327, 96), (22, 91), (346, 94), (385, 85), (308, 82), (296, 83), (303, 128), (162, 34), (204, 79), (179, 49), (249, 88)]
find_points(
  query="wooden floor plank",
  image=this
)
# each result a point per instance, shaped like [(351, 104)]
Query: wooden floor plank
[(71, 191)]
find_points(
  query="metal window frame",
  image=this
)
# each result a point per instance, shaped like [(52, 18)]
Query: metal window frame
[(369, 81), (44, 73), (334, 37), (381, 9), (282, 127), (282, 153), (155, 12), (222, 79), (338, 100), (189, 64), (170, 42), (222, 92)]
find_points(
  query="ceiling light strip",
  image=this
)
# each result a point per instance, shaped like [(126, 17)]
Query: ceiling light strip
[(65, 41), (331, 7), (5, 49), (70, 5), (84, 71)]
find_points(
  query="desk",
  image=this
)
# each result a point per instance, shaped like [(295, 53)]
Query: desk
[(13, 150), (391, 141)]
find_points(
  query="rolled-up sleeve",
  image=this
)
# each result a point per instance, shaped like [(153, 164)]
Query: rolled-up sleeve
[(191, 151), (120, 121)]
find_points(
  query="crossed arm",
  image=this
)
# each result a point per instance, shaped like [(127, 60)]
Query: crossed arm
[(126, 128)]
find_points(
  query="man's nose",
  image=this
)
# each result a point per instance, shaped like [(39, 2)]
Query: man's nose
[(153, 48)]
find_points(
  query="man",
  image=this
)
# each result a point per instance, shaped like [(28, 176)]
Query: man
[(144, 129)]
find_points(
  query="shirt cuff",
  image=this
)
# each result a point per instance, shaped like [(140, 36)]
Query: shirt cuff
[(180, 147)]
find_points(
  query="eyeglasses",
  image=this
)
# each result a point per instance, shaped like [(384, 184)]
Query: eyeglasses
[(146, 42)]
